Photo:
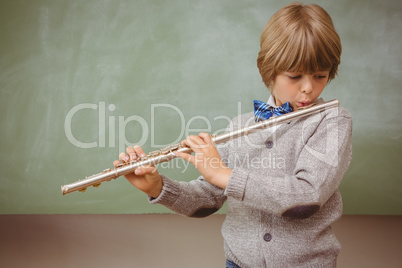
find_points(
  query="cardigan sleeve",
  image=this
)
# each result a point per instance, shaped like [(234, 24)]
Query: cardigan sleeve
[(197, 198), (313, 179)]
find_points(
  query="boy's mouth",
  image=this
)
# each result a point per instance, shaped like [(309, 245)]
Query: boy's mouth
[(303, 103)]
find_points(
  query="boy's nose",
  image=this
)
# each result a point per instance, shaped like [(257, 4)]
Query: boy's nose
[(307, 85)]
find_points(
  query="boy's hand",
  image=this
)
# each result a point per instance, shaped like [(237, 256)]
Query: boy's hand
[(206, 159), (145, 178)]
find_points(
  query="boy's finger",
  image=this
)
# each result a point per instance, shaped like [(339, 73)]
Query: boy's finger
[(195, 142), (116, 163), (205, 137), (188, 157), (139, 151), (123, 157), (130, 150), (145, 170), (132, 154)]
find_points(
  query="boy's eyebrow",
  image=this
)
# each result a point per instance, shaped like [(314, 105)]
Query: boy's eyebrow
[(301, 72), (293, 72)]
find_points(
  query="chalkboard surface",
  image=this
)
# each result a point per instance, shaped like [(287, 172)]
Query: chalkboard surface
[(79, 80)]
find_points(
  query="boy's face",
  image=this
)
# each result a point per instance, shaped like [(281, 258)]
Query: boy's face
[(299, 89)]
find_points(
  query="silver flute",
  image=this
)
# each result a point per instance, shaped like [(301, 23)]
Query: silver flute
[(168, 153)]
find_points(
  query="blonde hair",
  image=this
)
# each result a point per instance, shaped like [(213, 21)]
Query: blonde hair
[(299, 38)]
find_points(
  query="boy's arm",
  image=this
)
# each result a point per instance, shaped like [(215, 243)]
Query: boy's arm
[(197, 198)]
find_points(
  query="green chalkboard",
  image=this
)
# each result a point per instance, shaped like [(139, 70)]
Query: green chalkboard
[(80, 80)]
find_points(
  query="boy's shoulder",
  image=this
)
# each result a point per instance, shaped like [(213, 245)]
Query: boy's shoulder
[(341, 110), (338, 112)]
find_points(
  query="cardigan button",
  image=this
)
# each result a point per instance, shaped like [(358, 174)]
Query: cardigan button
[(267, 237), (269, 144)]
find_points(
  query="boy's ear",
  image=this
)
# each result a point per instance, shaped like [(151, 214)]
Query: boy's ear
[(272, 83), (271, 88)]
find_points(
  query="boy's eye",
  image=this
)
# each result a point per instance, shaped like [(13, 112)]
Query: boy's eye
[(294, 77), (321, 75)]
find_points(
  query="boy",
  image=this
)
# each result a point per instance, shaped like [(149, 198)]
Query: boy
[(278, 215)]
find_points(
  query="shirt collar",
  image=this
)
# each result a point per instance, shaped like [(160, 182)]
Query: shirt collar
[(271, 101)]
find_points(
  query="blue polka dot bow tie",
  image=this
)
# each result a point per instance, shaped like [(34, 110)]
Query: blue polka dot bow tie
[(263, 111)]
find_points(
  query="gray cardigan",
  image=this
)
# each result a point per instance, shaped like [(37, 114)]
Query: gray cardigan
[(282, 193)]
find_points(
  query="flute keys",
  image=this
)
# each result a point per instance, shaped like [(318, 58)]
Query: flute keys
[(174, 147), (97, 185), (170, 149), (154, 153), (82, 190), (165, 150), (181, 146), (143, 158)]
